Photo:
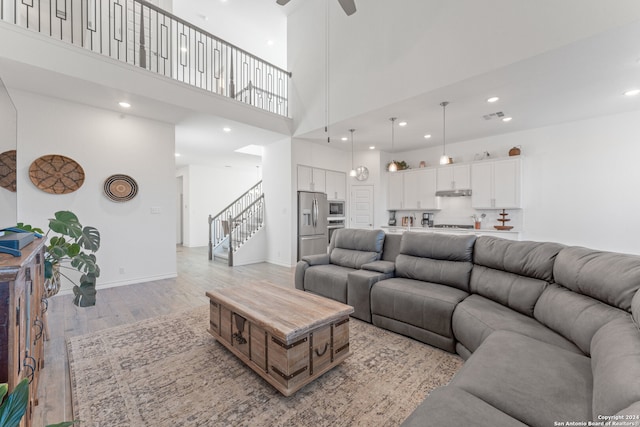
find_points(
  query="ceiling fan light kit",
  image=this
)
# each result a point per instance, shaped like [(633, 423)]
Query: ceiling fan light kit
[(349, 6)]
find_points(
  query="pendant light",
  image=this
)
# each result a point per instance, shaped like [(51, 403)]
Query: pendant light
[(352, 173), (444, 159), (393, 166)]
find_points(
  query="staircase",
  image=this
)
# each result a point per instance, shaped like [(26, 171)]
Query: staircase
[(236, 224)]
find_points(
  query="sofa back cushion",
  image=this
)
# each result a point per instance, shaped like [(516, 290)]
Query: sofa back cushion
[(352, 248), (391, 247), (612, 278), (438, 258), (513, 273), (575, 316), (615, 363)]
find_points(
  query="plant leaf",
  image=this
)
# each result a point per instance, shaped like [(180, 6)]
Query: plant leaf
[(90, 239), (27, 227), (84, 263), (66, 223), (15, 406), (4, 388), (85, 294)]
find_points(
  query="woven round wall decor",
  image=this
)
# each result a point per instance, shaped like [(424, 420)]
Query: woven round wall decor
[(8, 170), (56, 174), (120, 188)]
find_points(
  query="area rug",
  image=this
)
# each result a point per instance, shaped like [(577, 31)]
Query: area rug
[(169, 371)]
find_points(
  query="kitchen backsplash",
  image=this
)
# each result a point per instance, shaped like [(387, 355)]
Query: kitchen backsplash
[(458, 210)]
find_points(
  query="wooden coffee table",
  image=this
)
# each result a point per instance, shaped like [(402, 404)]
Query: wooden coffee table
[(289, 337)]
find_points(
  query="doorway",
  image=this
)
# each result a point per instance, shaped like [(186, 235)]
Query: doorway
[(361, 212), (179, 211)]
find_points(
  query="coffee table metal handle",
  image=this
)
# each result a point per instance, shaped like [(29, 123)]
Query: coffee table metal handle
[(326, 346)]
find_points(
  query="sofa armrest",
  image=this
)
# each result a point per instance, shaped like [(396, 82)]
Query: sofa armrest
[(301, 268), (359, 284), (385, 267), (317, 259)]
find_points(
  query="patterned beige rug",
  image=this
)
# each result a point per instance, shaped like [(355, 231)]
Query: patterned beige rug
[(169, 371)]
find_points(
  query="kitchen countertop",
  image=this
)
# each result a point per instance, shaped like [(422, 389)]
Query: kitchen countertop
[(448, 230)]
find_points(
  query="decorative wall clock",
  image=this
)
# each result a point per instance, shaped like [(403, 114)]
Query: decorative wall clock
[(56, 174), (362, 173), (8, 170), (120, 188)]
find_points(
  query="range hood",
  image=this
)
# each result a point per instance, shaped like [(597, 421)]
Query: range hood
[(453, 193)]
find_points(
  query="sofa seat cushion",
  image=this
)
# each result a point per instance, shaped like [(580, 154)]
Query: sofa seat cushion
[(532, 381), (425, 305), (452, 406), (477, 317), (329, 280)]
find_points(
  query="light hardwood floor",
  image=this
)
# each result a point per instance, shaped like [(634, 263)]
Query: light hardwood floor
[(129, 304)]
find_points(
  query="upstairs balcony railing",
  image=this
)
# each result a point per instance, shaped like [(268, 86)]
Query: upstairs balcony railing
[(143, 35)]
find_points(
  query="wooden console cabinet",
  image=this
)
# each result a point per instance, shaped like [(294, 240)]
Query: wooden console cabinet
[(22, 311)]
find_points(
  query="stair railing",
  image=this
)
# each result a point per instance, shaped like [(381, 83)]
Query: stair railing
[(245, 225), (220, 224), (143, 35)]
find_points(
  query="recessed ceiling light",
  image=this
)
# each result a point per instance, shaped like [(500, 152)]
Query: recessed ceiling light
[(226, 129), (270, 42), (493, 99), (507, 119), (373, 147), (402, 123), (124, 104), (632, 92), (427, 136), (344, 138), (177, 154)]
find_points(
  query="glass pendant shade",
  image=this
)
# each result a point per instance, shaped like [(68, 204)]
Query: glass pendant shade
[(445, 160), (352, 173)]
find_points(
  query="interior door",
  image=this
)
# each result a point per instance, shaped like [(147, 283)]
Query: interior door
[(361, 207)]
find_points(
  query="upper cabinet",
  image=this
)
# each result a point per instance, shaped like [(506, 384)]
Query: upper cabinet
[(453, 177), (420, 189), (336, 185), (414, 189), (311, 179), (496, 184), (396, 191)]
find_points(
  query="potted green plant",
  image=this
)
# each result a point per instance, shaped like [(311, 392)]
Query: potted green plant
[(73, 248), (15, 405)]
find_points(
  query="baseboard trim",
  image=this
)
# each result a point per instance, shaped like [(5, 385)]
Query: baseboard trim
[(124, 283)]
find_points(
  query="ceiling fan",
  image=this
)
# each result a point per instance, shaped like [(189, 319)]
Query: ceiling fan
[(349, 6)]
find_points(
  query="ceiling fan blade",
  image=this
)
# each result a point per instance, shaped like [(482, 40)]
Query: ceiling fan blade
[(349, 6), (282, 2)]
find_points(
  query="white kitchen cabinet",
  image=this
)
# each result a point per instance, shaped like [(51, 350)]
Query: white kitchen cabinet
[(413, 190), (336, 185), (420, 189), (396, 191), (496, 184), (311, 179), (453, 177), (319, 180)]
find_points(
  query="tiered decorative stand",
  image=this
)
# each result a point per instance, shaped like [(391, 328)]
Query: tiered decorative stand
[(504, 219)]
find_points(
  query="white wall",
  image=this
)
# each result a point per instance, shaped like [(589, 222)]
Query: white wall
[(136, 245), (391, 51), (280, 209), (207, 191), (580, 179)]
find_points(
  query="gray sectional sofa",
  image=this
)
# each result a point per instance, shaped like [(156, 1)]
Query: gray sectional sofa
[(549, 332)]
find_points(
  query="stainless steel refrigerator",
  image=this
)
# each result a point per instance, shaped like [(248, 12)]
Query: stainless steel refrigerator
[(313, 211)]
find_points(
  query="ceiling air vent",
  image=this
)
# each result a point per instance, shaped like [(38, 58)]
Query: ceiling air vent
[(497, 115)]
